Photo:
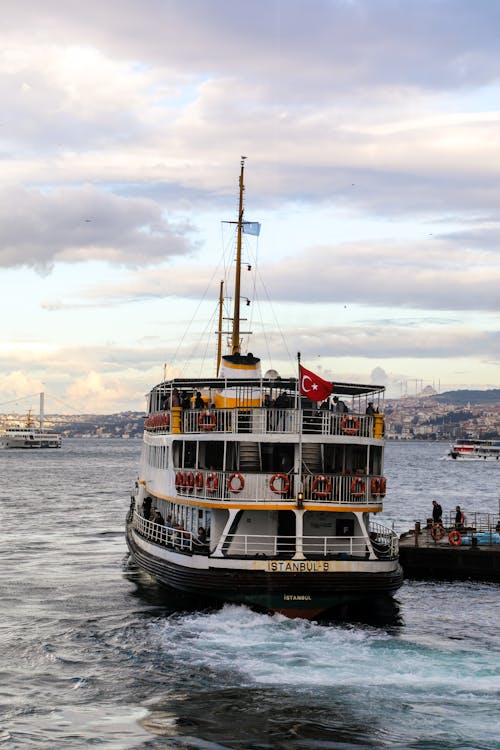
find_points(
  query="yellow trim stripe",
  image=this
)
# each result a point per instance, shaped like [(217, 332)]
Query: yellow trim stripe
[(232, 366), (267, 506)]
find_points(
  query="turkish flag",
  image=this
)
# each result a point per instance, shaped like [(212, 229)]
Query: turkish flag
[(313, 386)]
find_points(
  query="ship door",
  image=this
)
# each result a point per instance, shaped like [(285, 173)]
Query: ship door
[(286, 532)]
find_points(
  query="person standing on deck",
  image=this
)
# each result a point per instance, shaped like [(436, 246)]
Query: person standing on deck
[(437, 512), (459, 517)]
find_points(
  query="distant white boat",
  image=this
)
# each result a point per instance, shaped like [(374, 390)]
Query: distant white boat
[(31, 436), (467, 449)]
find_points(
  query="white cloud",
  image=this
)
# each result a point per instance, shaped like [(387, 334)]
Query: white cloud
[(119, 125)]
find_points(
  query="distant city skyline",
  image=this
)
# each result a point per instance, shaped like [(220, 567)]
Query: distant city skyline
[(372, 142)]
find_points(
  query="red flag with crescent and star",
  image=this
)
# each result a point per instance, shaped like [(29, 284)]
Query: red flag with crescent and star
[(312, 386)]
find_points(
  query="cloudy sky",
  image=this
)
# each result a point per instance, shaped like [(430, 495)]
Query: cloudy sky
[(372, 134)]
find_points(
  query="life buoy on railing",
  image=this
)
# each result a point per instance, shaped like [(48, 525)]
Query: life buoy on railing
[(326, 484), (455, 538), (358, 487), (180, 479), (207, 420), (231, 478), (378, 486), (350, 425), (285, 483), (164, 420), (189, 481), (212, 482), (198, 480), (437, 532)]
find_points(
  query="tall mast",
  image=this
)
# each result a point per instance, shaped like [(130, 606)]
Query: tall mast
[(235, 341), (219, 332)]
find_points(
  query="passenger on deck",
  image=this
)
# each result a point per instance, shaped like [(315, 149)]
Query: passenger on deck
[(198, 402), (158, 518), (146, 508), (185, 401), (459, 518), (176, 401), (437, 512), (370, 409), (339, 406), (283, 401), (202, 535)]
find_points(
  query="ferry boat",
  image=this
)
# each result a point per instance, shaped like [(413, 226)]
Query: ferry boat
[(257, 489), (31, 436), (470, 449)]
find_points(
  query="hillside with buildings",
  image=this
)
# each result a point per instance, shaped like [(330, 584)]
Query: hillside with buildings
[(427, 416)]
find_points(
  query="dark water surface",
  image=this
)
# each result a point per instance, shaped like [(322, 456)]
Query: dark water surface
[(90, 655)]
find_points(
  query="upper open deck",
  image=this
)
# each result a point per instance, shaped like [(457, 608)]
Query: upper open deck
[(263, 406)]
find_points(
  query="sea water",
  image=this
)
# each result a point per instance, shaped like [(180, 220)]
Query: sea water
[(92, 655)]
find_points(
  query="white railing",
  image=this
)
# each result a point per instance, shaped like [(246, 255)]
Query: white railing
[(383, 540), (225, 486), (263, 421), (483, 522), (274, 546), (165, 535)]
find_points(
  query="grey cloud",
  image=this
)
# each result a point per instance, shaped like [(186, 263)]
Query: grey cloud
[(452, 42), (433, 275), (77, 224)]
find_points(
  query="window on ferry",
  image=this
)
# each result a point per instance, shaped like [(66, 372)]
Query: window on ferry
[(344, 526), (358, 459), (189, 455), (212, 455), (231, 457), (278, 457), (375, 460)]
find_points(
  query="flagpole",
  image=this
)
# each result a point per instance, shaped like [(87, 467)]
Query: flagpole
[(300, 493)]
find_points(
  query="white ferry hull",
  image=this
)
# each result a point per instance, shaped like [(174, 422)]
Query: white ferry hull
[(259, 489), (295, 588), (475, 450), (30, 441)]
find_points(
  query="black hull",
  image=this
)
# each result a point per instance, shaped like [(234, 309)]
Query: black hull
[(295, 594)]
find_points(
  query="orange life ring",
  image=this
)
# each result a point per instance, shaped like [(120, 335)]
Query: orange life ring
[(455, 538), (383, 486), (375, 486), (350, 425), (285, 483), (327, 486), (437, 532), (180, 479), (241, 482), (212, 482), (202, 420), (358, 487), (198, 480), (189, 481), (164, 420)]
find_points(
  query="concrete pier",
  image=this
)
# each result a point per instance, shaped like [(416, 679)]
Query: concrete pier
[(424, 558)]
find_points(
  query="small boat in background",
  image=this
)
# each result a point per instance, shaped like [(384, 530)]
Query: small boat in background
[(471, 449), (31, 436)]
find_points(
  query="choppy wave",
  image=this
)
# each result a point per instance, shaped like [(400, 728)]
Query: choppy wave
[(92, 652)]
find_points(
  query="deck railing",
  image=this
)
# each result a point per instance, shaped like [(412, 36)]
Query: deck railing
[(264, 421), (224, 486), (383, 540)]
